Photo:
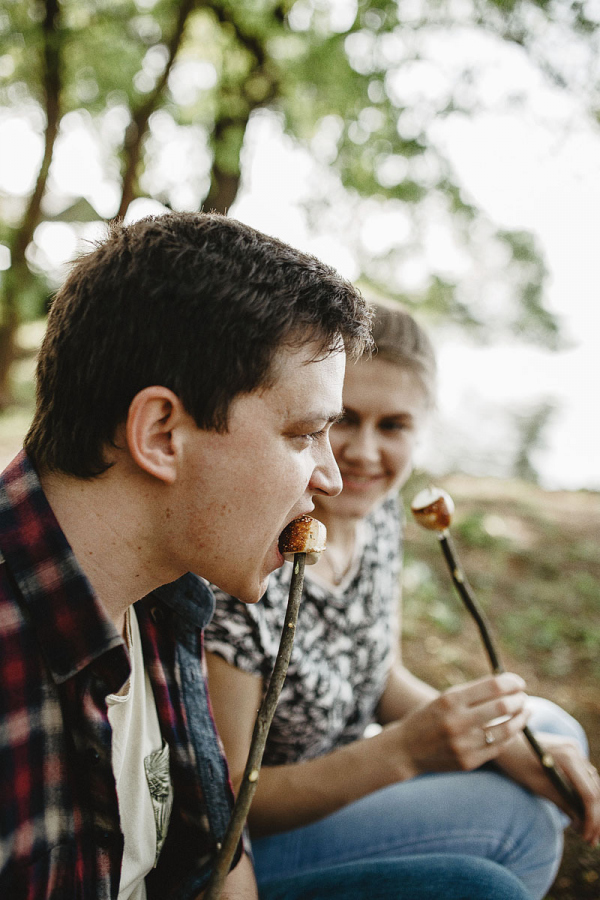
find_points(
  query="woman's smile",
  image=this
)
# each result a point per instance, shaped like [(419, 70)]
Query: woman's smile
[(354, 481)]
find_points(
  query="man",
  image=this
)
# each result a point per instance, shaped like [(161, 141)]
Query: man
[(190, 373), (186, 385)]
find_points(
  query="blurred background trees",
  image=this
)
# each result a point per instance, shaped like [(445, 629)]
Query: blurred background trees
[(158, 99)]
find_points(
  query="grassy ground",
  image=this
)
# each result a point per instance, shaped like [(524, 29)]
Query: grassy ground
[(533, 560)]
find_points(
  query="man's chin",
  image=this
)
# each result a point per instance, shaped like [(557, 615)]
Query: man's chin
[(254, 593)]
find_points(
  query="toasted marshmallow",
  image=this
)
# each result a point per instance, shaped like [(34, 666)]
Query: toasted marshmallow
[(303, 535), (433, 508)]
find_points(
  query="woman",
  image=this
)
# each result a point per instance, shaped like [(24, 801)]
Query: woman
[(327, 794)]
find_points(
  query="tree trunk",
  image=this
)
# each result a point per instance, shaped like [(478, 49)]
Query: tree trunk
[(222, 193), (223, 185), (19, 274), (8, 331), (225, 180)]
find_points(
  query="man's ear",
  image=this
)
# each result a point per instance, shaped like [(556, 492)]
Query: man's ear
[(151, 431)]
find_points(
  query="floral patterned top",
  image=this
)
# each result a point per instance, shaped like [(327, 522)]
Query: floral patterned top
[(343, 650)]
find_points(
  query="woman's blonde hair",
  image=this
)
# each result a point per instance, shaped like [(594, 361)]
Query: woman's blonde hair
[(399, 339)]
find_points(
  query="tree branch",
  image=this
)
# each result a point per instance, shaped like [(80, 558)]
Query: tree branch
[(136, 131), (259, 735)]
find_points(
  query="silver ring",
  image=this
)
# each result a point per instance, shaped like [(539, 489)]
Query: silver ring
[(488, 735)]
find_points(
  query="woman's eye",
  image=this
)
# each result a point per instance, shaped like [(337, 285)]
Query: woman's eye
[(396, 425), (345, 421)]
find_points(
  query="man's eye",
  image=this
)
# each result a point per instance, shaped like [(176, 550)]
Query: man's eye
[(311, 437)]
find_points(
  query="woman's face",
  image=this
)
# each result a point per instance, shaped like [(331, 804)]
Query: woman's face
[(384, 408)]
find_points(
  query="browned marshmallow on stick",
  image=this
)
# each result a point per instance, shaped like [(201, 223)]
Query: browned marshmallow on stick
[(433, 508), (303, 535)]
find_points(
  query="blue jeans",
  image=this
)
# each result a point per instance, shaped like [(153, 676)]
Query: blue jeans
[(479, 814), (433, 877)]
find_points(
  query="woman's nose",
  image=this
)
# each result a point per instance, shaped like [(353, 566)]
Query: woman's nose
[(361, 445)]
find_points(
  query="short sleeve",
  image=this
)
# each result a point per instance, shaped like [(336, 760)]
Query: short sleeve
[(240, 635)]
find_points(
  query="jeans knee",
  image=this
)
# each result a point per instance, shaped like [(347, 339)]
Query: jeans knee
[(548, 716), (545, 843)]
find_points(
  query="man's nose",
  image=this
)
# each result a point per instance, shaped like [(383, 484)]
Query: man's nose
[(326, 477)]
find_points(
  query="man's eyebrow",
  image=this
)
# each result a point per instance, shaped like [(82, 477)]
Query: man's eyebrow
[(327, 418)]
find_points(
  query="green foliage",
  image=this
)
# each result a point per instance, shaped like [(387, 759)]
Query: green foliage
[(346, 82)]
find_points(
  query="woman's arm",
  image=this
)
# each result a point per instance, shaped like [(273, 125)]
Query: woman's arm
[(403, 693), (293, 795), (240, 884)]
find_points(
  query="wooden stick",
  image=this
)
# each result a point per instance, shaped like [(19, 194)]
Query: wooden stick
[(259, 736), (465, 591)]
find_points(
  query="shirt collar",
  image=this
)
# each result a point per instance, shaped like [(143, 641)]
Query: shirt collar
[(190, 597)]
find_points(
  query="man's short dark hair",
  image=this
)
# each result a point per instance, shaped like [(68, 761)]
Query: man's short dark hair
[(197, 303)]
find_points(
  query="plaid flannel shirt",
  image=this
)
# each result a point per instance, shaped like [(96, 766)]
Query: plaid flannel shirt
[(59, 657)]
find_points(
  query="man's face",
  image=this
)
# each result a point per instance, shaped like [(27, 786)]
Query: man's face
[(238, 490)]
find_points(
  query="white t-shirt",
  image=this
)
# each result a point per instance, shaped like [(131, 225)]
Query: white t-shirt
[(140, 764)]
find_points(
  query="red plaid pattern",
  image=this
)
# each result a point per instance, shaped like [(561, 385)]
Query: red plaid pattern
[(59, 658)]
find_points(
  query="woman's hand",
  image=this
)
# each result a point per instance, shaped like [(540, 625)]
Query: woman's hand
[(520, 763), (459, 731)]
